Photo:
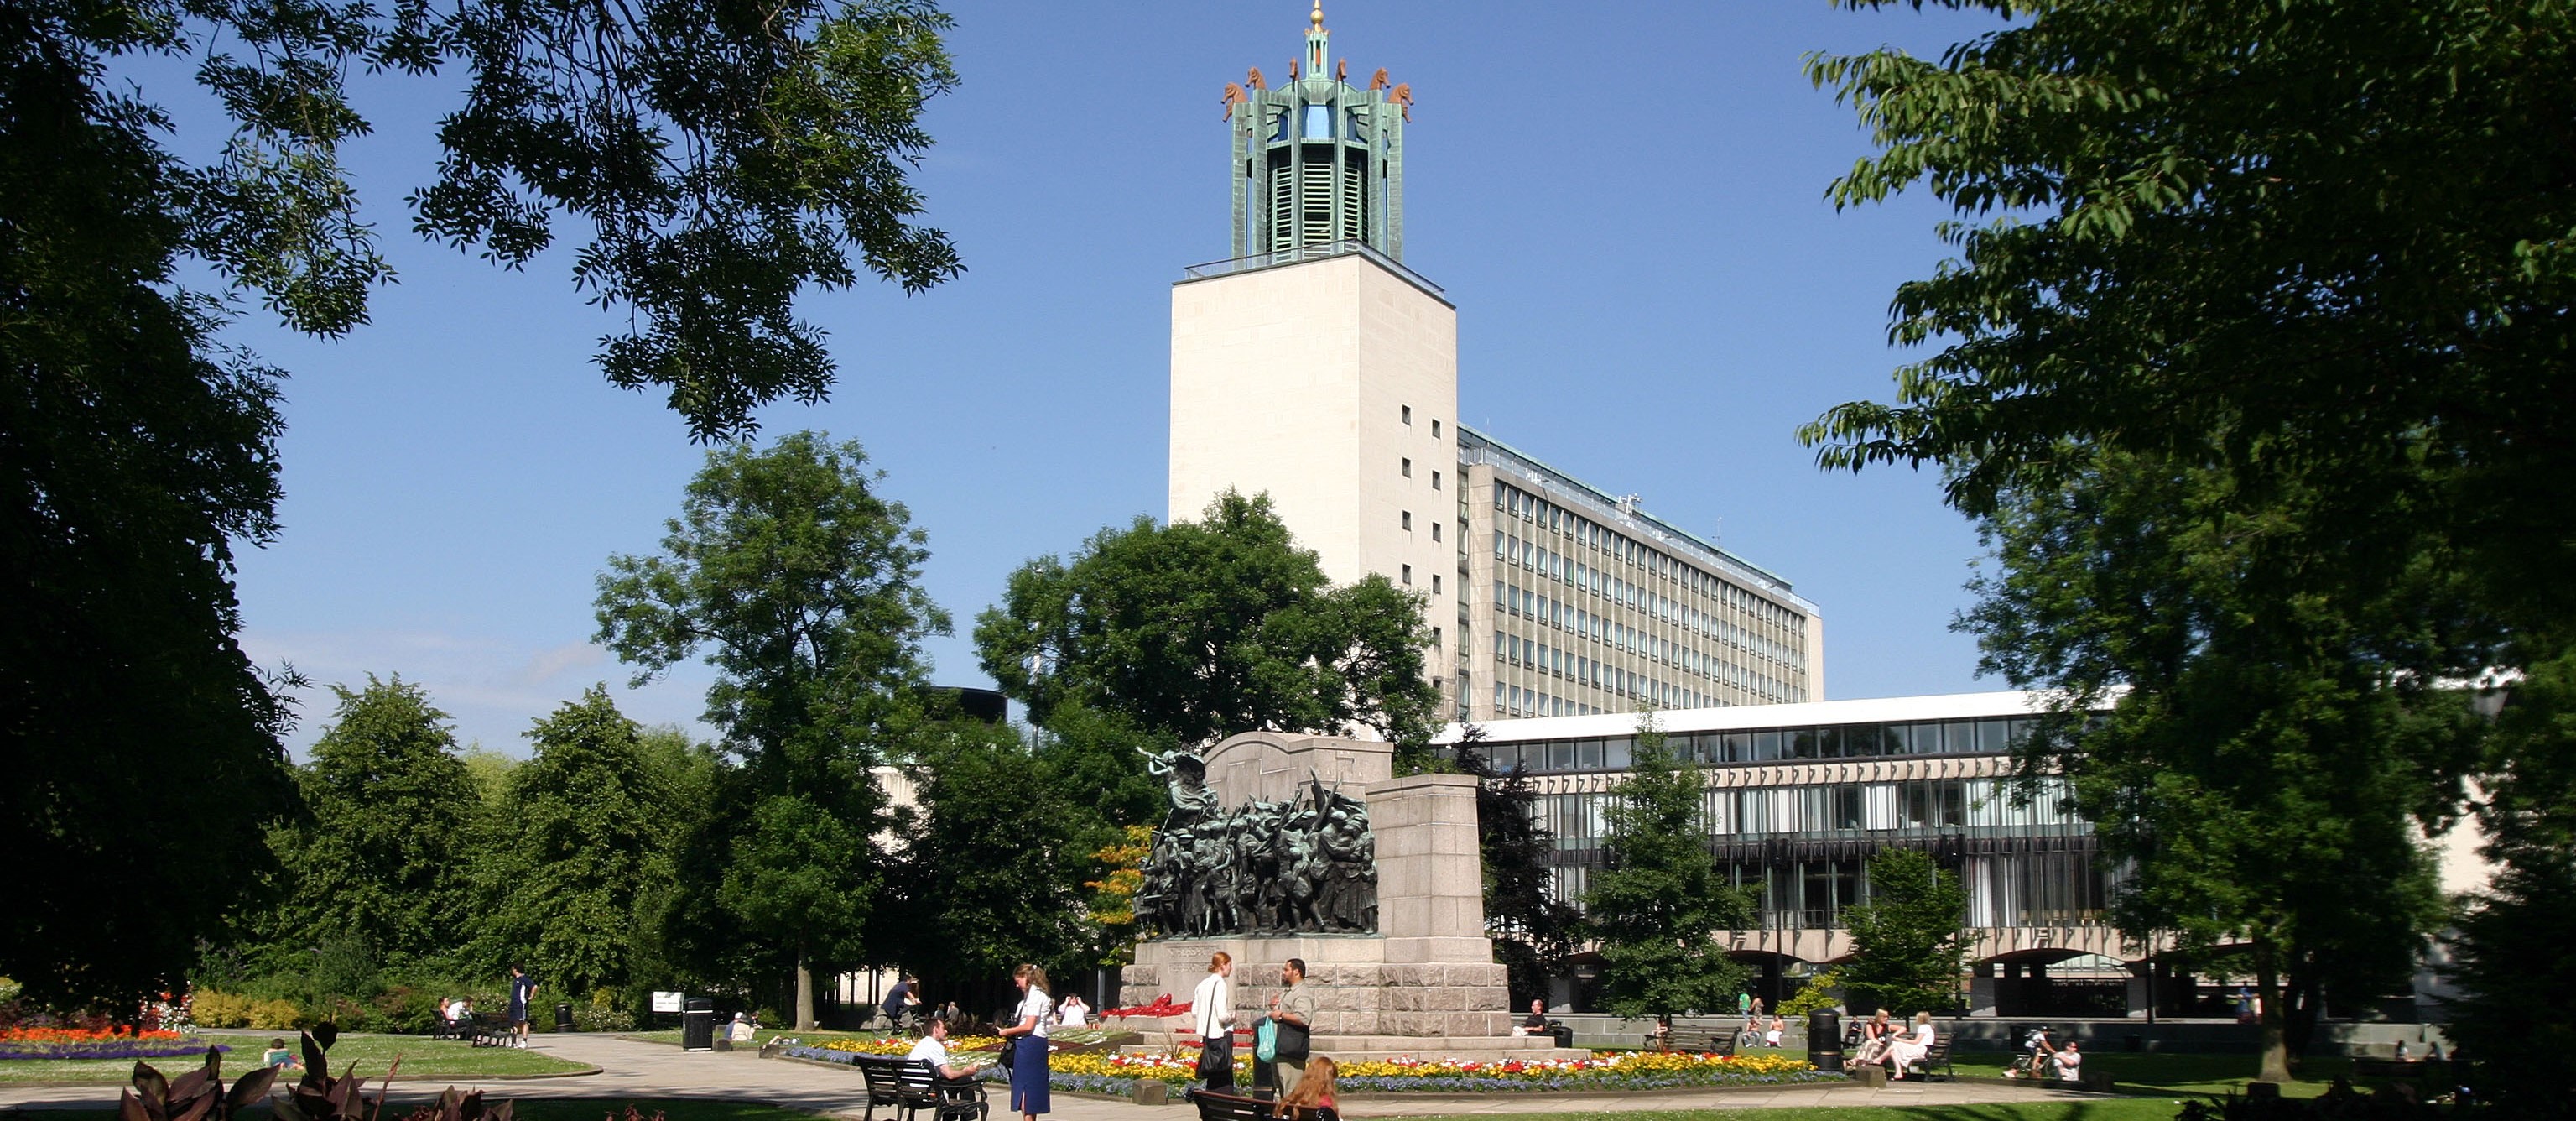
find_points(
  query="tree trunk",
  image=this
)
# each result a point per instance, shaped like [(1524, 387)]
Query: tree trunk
[(804, 992), (2267, 989)]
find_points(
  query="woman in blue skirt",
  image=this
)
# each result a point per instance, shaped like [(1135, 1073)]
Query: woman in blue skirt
[(1029, 1062)]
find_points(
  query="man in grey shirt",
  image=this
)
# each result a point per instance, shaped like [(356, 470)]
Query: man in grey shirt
[(1294, 1009)]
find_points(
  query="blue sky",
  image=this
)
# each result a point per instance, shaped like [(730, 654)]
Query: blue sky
[(1625, 201)]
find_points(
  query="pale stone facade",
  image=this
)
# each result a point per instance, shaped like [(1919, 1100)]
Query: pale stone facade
[(1331, 384)]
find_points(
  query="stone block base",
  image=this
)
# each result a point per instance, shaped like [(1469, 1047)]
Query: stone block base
[(1345, 1048), (1374, 986)]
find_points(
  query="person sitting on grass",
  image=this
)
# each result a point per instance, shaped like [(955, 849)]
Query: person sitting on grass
[(2069, 1063), (933, 1049), (1314, 1091), (281, 1058)]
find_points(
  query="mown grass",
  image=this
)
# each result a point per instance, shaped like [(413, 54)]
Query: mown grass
[(568, 1109), (2176, 1074), (371, 1055)]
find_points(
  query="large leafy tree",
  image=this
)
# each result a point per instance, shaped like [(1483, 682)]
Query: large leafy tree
[(1658, 901), (2271, 754), (1196, 631), (2317, 251), (992, 864), (383, 865), (717, 158), (583, 839), (800, 584), (1910, 941)]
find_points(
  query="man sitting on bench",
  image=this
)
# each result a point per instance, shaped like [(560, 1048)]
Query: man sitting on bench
[(933, 1048)]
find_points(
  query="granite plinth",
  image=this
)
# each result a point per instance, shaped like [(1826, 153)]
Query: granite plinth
[(1413, 988)]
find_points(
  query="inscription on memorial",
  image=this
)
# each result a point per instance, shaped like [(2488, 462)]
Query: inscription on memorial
[(1307, 865)]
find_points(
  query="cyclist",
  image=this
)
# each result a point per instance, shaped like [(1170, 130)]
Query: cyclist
[(2036, 1055)]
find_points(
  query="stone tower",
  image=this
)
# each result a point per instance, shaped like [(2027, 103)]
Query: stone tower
[(1314, 366)]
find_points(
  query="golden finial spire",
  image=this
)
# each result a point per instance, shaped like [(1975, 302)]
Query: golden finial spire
[(1316, 17)]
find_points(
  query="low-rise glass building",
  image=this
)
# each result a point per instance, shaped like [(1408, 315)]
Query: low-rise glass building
[(1799, 796)]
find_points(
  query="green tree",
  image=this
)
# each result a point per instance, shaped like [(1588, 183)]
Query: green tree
[(2310, 250), (1909, 942), (721, 158), (1195, 631), (382, 867), (1657, 902), (1533, 931), (801, 585), (2266, 755), (992, 865), (584, 845), (2515, 975)]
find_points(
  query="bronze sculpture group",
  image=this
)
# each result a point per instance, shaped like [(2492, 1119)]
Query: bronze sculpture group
[(1304, 866)]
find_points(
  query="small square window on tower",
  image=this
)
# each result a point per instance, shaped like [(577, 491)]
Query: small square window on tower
[(1435, 430), (1435, 531), (1408, 414), (1408, 468), (1435, 586), (1408, 521), (1408, 574), (1435, 480), (1435, 638)]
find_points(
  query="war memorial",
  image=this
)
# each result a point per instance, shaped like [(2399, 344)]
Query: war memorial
[(1287, 846)]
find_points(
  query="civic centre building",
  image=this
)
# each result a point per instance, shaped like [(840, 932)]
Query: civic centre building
[(1315, 366)]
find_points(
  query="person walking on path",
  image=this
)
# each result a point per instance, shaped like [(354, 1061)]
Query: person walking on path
[(1293, 1010), (1029, 1063), (1744, 1003), (1212, 1010), (523, 992)]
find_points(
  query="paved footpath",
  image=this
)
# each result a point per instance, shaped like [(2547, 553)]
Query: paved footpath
[(630, 1069)]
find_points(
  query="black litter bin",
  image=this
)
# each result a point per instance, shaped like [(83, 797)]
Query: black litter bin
[(1825, 1039), (1564, 1035), (698, 1024), (563, 1017)]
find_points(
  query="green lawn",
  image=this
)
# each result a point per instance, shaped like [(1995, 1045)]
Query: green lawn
[(2171, 1074), (2128, 1109), (421, 1057), (569, 1109)]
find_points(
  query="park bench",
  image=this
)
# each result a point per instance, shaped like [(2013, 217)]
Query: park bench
[(1718, 1041), (910, 1087), (486, 1029), (1214, 1106), (1937, 1055)]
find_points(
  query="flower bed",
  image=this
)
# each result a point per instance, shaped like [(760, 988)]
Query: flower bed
[(84, 1043), (1605, 1070)]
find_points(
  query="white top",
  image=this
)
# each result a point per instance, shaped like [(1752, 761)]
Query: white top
[(1923, 1034), (2070, 1064), (1035, 1004), (1213, 1005), (931, 1049), (1074, 1011)]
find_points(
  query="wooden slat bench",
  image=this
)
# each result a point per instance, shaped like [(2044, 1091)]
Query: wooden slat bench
[(1719, 1041), (489, 1029), (1937, 1055), (909, 1088)]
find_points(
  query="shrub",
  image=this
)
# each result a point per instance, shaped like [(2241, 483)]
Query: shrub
[(1821, 991), (221, 1009)]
